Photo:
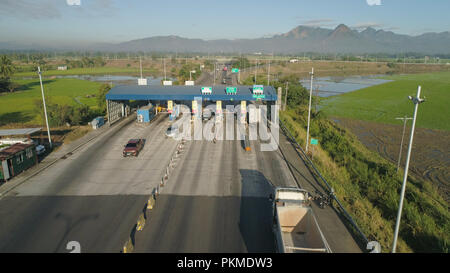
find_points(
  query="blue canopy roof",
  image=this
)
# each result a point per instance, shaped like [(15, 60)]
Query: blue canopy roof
[(182, 92)]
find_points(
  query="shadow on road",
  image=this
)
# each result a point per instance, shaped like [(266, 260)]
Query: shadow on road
[(255, 221)]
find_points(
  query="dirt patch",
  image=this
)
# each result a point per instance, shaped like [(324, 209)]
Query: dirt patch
[(430, 156)]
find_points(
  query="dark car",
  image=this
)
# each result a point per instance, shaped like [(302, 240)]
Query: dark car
[(133, 147)]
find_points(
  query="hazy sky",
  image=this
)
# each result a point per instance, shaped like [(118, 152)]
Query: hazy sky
[(68, 21)]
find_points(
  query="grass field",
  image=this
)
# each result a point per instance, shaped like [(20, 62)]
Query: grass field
[(18, 107), (383, 103), (89, 71), (368, 187)]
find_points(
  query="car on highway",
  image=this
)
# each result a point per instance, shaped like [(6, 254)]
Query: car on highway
[(172, 131), (207, 114), (133, 147)]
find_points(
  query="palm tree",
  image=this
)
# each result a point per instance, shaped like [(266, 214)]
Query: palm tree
[(6, 67)]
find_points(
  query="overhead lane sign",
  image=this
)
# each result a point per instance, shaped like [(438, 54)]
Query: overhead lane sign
[(258, 89), (231, 90), (235, 70), (207, 90)]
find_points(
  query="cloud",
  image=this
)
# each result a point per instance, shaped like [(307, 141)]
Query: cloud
[(73, 2), (373, 2), (30, 9), (319, 22), (51, 9), (366, 25)]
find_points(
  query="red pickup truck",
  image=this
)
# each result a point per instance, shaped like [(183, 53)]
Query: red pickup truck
[(133, 147)]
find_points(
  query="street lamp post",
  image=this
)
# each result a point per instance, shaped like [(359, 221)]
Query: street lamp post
[(309, 109), (45, 107), (417, 100), (405, 119), (256, 70)]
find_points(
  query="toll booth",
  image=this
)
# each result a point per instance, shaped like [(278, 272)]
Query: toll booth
[(145, 114)]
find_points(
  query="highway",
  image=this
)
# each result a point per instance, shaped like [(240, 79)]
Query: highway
[(93, 196), (216, 198)]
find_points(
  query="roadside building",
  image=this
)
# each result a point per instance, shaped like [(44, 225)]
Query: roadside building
[(16, 159), (62, 67)]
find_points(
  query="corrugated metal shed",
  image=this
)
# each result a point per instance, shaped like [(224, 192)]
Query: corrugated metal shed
[(181, 92), (13, 149), (15, 132)]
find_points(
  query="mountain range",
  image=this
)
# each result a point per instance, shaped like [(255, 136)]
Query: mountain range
[(342, 39)]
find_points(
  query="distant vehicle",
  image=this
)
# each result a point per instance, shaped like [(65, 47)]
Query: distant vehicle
[(294, 224), (224, 81), (206, 114), (172, 131), (40, 149), (133, 147)]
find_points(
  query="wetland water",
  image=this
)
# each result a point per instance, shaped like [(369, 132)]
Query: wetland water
[(332, 86), (115, 79)]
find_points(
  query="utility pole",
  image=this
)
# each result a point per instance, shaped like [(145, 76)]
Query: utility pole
[(417, 100), (239, 75), (256, 70), (164, 61), (268, 72), (285, 97), (140, 65), (309, 109), (45, 107), (405, 119)]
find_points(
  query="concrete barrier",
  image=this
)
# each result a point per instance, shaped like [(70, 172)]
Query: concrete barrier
[(151, 202), (128, 246), (140, 222)]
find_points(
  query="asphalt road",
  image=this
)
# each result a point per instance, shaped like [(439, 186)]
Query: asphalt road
[(93, 196), (216, 200)]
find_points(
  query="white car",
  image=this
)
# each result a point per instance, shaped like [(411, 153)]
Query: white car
[(40, 149), (172, 131)]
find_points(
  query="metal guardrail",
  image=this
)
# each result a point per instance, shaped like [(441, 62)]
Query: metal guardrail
[(330, 189)]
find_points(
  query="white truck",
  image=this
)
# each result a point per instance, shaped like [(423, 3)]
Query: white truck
[(295, 226)]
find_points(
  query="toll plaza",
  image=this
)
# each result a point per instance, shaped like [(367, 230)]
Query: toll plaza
[(119, 97)]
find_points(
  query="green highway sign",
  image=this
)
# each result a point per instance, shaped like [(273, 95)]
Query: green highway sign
[(255, 96), (258, 89), (235, 70), (207, 90), (231, 90), (314, 141)]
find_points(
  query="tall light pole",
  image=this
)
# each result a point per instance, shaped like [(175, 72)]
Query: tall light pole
[(190, 74), (309, 109), (268, 72), (256, 70), (45, 107), (140, 65), (405, 119), (164, 61), (417, 100), (285, 97)]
